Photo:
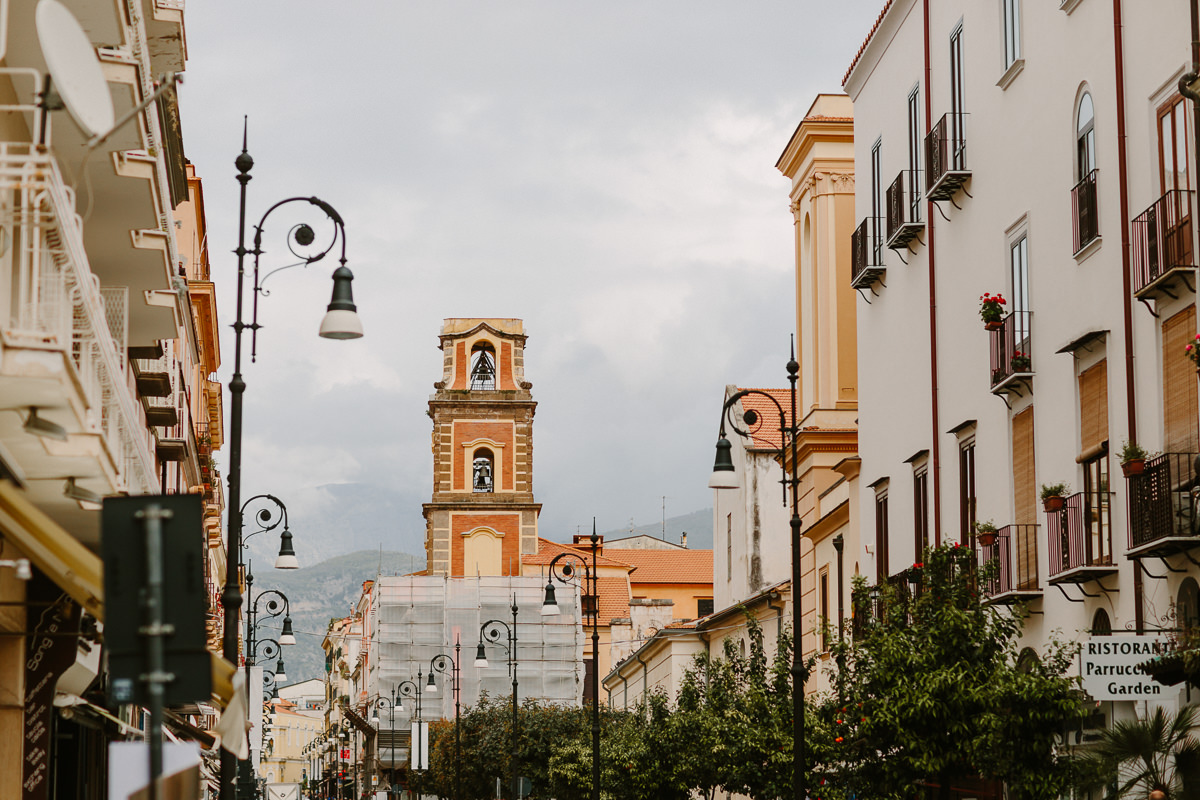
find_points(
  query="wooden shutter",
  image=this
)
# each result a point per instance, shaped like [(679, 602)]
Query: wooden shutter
[(1179, 384), (1093, 407), (1024, 483)]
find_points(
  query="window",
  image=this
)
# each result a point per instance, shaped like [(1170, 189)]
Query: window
[(483, 367), (482, 472), (729, 547), (1024, 500), (966, 491), (1101, 625), (876, 204), (1012, 32), (1018, 259), (1085, 137), (914, 154), (824, 608), (1180, 431), (1173, 146), (1187, 607), (1093, 457), (920, 511), (958, 159), (704, 606), (881, 534)]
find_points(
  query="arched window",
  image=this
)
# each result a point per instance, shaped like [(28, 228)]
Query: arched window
[(1187, 606), (1085, 136), (483, 470), (483, 367), (1101, 625)]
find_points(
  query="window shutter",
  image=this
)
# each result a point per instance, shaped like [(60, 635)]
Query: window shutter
[(1093, 407), (1179, 384), (1024, 484)]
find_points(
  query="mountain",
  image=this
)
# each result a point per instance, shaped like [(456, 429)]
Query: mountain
[(698, 525), (317, 594)]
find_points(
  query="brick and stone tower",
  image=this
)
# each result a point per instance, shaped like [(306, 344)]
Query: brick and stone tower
[(482, 517)]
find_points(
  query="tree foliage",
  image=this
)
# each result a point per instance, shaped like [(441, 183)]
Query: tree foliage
[(1160, 752), (936, 692)]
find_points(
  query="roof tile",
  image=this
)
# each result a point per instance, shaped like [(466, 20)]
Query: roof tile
[(667, 566)]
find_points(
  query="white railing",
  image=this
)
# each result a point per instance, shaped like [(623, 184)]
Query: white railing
[(58, 305)]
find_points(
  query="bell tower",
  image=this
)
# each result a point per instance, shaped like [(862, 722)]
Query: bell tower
[(482, 517)]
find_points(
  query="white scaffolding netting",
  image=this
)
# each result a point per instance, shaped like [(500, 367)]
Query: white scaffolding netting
[(415, 618)]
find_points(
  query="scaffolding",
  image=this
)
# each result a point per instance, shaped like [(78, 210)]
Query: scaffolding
[(414, 618)]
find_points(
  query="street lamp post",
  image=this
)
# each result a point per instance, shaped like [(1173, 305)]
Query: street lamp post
[(565, 573), (725, 477), (340, 322), (448, 665), (490, 631), (390, 703)]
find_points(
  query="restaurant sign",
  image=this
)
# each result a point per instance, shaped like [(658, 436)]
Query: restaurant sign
[(1109, 667)]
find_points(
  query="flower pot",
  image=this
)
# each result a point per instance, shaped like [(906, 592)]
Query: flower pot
[(995, 326), (1054, 503), (987, 538), (1134, 466)]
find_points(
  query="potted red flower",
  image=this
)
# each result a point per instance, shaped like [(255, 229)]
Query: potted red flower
[(991, 310)]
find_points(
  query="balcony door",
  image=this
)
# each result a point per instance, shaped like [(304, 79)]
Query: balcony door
[(1174, 215), (1018, 256)]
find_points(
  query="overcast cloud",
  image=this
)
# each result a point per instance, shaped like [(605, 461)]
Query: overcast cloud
[(603, 171)]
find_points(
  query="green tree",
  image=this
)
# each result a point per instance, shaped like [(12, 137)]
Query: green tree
[(937, 691), (1139, 756)]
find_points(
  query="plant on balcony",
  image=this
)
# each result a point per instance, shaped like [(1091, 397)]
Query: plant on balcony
[(1193, 351), (1054, 496), (1157, 757), (1179, 661), (1020, 362), (986, 533), (1133, 459), (936, 684), (991, 309)]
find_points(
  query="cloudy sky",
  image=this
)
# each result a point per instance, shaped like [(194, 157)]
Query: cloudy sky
[(603, 171)]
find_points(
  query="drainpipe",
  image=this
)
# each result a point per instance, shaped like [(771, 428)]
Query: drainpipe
[(778, 609), (625, 702), (935, 449), (1123, 175), (645, 684)]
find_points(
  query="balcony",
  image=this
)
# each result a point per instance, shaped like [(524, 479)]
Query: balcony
[(869, 604), (1011, 359), (1015, 555), (866, 256), (1080, 539), (1162, 506), (1163, 258), (1085, 213), (946, 157), (903, 212), (62, 348)]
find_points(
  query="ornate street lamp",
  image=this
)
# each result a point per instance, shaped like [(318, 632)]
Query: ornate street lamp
[(448, 665), (341, 322), (725, 477), (565, 573), (490, 631)]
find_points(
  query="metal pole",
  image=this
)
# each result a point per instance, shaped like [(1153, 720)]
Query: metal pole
[(798, 627), (595, 613), (512, 661), (154, 631), (457, 733), (231, 596)]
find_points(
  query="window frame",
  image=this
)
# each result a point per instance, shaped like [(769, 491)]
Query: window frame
[(1010, 12), (877, 202), (916, 141), (967, 490), (882, 565)]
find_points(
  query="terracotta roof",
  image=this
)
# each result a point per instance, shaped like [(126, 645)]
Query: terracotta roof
[(668, 566), (766, 433), (827, 118), (614, 598), (548, 550), (866, 41)]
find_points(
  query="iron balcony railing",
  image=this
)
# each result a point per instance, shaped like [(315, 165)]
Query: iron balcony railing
[(1162, 505), (1085, 212), (903, 210), (946, 157), (1014, 553), (865, 255), (58, 304), (1011, 348), (1080, 535), (1162, 239)]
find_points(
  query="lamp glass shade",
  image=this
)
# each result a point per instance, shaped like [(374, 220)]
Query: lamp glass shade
[(287, 556), (480, 657), (431, 685), (280, 672), (375, 718), (341, 317), (724, 474), (550, 604), (287, 636)]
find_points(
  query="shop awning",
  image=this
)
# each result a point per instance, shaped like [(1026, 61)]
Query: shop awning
[(76, 570)]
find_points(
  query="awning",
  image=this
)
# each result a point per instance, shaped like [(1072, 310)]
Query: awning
[(76, 570), (64, 559)]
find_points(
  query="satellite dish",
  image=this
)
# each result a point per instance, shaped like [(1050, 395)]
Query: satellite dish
[(77, 74)]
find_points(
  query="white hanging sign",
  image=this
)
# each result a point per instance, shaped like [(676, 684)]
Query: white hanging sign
[(1109, 667)]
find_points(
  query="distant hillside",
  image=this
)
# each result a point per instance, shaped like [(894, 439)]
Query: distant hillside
[(319, 593), (698, 526)]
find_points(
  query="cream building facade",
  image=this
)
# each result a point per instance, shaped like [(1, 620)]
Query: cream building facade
[(1040, 151)]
